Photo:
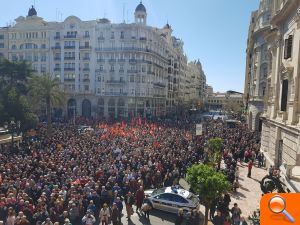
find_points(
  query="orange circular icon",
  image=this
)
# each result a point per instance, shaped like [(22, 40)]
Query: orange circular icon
[(277, 204)]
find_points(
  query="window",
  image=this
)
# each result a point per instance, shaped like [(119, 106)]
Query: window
[(86, 87), (131, 79), (284, 95), (86, 33), (1, 36), (1, 45), (122, 35), (112, 36), (288, 46), (43, 46)]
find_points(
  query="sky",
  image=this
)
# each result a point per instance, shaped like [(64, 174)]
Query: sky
[(213, 31)]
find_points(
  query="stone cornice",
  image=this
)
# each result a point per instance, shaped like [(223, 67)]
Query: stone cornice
[(285, 11)]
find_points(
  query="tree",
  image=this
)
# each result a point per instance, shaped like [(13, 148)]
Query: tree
[(215, 151), (207, 183), (46, 89), (13, 91)]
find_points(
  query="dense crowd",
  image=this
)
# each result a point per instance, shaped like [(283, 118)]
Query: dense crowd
[(74, 177)]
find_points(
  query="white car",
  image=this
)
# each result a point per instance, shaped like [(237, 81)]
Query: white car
[(171, 199)]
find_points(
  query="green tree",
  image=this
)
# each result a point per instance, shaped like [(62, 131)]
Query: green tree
[(207, 183), (13, 91), (215, 151), (46, 89)]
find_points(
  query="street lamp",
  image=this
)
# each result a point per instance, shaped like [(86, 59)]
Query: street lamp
[(12, 127)]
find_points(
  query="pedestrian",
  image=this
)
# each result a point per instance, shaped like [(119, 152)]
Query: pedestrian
[(129, 201), (250, 165), (236, 214), (115, 214), (120, 207), (139, 198), (89, 218), (218, 219), (271, 170), (180, 217), (146, 207), (104, 214)]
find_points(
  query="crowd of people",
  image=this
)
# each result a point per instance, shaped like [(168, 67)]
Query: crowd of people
[(72, 177)]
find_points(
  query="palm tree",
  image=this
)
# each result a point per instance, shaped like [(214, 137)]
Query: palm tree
[(46, 89)]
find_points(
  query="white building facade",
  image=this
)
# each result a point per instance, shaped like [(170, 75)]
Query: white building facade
[(257, 65), (280, 138), (107, 69)]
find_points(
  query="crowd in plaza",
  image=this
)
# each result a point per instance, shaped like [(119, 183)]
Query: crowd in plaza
[(93, 177)]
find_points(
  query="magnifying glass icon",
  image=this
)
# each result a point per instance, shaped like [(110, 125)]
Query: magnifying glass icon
[(277, 205)]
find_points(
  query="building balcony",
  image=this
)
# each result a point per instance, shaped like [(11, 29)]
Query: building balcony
[(132, 71), (69, 69), (132, 61), (159, 84), (86, 69), (86, 58), (143, 39), (57, 69), (57, 58), (85, 47), (101, 60), (56, 47), (69, 47), (100, 71), (56, 37), (158, 96), (101, 38), (115, 94), (86, 80), (121, 71), (112, 60), (121, 60), (150, 72), (70, 36), (69, 79), (115, 82), (69, 58), (86, 36)]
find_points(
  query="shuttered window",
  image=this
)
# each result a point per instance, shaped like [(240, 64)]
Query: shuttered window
[(288, 46)]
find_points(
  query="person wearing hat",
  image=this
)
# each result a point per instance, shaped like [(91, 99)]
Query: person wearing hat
[(115, 214), (104, 214)]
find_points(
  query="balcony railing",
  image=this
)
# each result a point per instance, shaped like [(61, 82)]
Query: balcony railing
[(69, 47), (101, 38), (143, 39), (57, 69), (132, 71), (100, 71), (56, 37), (115, 94), (86, 58), (132, 60), (86, 36), (86, 69), (85, 47), (70, 36), (112, 60), (69, 69), (159, 84), (115, 82), (69, 79), (100, 60), (56, 47), (69, 58), (86, 80), (121, 60), (121, 71), (57, 58)]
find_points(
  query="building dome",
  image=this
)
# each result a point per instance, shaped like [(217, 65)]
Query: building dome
[(141, 8), (32, 11)]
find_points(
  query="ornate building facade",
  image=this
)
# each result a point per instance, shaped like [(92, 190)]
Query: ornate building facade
[(281, 118), (107, 69), (257, 65)]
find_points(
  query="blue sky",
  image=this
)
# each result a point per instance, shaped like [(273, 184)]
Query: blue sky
[(214, 31)]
